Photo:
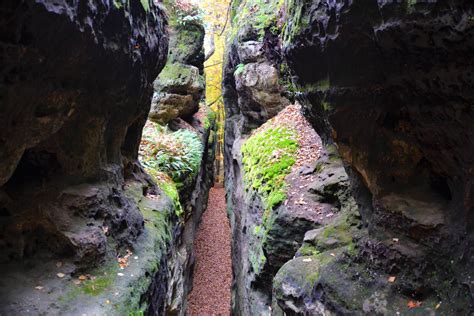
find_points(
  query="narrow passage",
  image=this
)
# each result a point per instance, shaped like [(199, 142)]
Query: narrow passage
[(213, 270)]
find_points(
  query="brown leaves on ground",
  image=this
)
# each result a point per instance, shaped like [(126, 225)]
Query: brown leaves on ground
[(123, 261), (414, 304), (310, 143), (211, 293), (83, 278)]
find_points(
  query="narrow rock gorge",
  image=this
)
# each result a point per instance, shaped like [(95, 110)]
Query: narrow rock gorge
[(86, 228), (347, 134)]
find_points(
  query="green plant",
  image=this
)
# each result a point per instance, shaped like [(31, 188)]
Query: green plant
[(118, 4), (183, 12), (210, 118), (176, 154), (145, 5), (239, 69), (261, 15)]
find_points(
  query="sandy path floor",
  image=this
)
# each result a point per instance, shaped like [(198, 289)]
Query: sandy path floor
[(213, 270)]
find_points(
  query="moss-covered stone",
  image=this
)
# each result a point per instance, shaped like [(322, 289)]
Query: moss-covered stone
[(187, 45), (260, 15), (268, 157), (111, 290)]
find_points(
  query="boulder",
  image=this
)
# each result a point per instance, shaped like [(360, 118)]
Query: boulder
[(178, 90), (187, 45), (260, 81), (250, 52), (179, 87)]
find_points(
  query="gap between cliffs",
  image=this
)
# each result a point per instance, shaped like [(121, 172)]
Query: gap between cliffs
[(213, 271)]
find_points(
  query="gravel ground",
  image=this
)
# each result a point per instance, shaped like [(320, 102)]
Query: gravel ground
[(213, 270)]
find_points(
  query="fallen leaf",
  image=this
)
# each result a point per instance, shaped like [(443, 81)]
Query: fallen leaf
[(332, 255), (392, 279), (77, 282), (39, 287), (107, 302), (82, 277), (307, 260), (413, 304), (438, 306), (61, 275), (120, 274), (395, 239), (123, 261), (59, 264)]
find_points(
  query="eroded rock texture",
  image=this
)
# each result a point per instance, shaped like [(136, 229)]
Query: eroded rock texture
[(75, 93), (391, 84), (252, 95)]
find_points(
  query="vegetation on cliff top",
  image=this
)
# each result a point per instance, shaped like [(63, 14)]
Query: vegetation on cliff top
[(261, 15), (177, 154), (182, 13), (172, 158)]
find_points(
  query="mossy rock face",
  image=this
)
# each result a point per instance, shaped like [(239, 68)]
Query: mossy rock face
[(187, 45), (110, 290), (179, 78), (267, 158), (294, 284), (332, 236), (178, 90)]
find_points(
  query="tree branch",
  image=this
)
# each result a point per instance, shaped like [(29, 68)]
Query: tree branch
[(212, 48), (227, 17), (215, 101), (209, 66)]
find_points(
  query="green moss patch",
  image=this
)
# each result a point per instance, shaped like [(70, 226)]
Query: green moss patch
[(261, 15), (145, 5), (180, 15), (268, 156)]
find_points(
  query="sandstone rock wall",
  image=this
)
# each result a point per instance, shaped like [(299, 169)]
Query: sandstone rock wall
[(252, 95), (179, 88), (400, 109), (75, 94), (389, 84)]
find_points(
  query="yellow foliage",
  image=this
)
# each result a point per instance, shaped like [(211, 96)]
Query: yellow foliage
[(215, 16)]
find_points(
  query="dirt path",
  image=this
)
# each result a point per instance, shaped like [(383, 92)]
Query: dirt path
[(213, 270)]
